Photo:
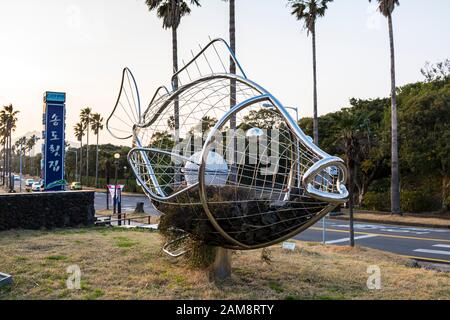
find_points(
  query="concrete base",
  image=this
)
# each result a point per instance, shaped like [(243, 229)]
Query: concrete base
[(222, 264)]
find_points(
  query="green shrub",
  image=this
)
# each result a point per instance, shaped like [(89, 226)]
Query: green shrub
[(379, 201), (410, 200), (417, 201)]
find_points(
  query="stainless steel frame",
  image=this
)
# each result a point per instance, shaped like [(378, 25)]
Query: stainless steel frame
[(166, 98)]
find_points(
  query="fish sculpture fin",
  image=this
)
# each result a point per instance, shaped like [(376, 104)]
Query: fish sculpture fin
[(127, 110)]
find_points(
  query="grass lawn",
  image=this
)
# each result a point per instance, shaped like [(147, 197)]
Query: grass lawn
[(128, 264)]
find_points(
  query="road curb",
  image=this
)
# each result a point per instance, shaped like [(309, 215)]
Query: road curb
[(128, 194), (395, 223)]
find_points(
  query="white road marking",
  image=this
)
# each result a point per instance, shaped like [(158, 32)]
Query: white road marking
[(348, 239), (442, 245), (393, 229), (447, 253)]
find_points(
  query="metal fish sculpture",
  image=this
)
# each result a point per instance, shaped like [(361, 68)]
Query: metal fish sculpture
[(223, 157)]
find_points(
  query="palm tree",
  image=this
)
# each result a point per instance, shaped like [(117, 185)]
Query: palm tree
[(308, 11), (232, 35), (79, 133), (9, 116), (97, 125), (21, 148), (171, 12), (31, 142), (386, 7), (85, 117), (3, 135)]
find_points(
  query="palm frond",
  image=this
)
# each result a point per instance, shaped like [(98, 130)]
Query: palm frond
[(171, 11), (308, 11), (386, 7)]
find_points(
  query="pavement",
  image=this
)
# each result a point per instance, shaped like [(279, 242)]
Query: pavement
[(427, 244), (128, 203)]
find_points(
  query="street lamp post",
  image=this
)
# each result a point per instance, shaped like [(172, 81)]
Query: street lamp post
[(20, 165), (116, 162), (126, 175), (32, 156), (76, 162), (10, 177)]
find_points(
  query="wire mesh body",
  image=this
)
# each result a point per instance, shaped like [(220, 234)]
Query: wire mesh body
[(224, 158)]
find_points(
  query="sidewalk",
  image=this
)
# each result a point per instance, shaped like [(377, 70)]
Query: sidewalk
[(408, 219), (102, 190)]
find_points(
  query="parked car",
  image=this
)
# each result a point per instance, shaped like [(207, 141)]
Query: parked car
[(76, 186), (29, 182), (37, 186)]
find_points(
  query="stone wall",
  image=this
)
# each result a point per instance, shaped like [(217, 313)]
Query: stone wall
[(46, 210)]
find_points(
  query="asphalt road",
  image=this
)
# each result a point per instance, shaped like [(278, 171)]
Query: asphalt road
[(128, 203), (420, 243)]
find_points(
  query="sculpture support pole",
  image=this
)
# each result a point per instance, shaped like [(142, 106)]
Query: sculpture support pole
[(222, 264)]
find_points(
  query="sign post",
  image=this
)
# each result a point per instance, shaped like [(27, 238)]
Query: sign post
[(54, 141), (115, 192)]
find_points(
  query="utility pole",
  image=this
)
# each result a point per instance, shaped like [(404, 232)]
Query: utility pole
[(116, 162), (76, 162), (11, 181), (20, 165), (350, 166)]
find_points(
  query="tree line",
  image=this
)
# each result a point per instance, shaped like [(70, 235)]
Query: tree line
[(360, 134), (88, 121)]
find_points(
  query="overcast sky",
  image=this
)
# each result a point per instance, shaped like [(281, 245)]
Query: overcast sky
[(81, 46)]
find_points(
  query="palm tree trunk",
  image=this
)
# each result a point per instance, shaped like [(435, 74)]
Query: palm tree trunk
[(10, 159), (7, 156), (315, 120), (349, 151), (96, 162), (175, 80), (176, 111), (350, 206), (81, 162), (30, 169), (87, 154), (232, 31), (222, 262), (445, 185), (395, 184), (4, 162)]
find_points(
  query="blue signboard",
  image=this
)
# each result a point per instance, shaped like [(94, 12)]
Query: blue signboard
[(58, 97), (54, 137)]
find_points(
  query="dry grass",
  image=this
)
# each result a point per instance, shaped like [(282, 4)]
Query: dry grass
[(407, 219), (128, 264)]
